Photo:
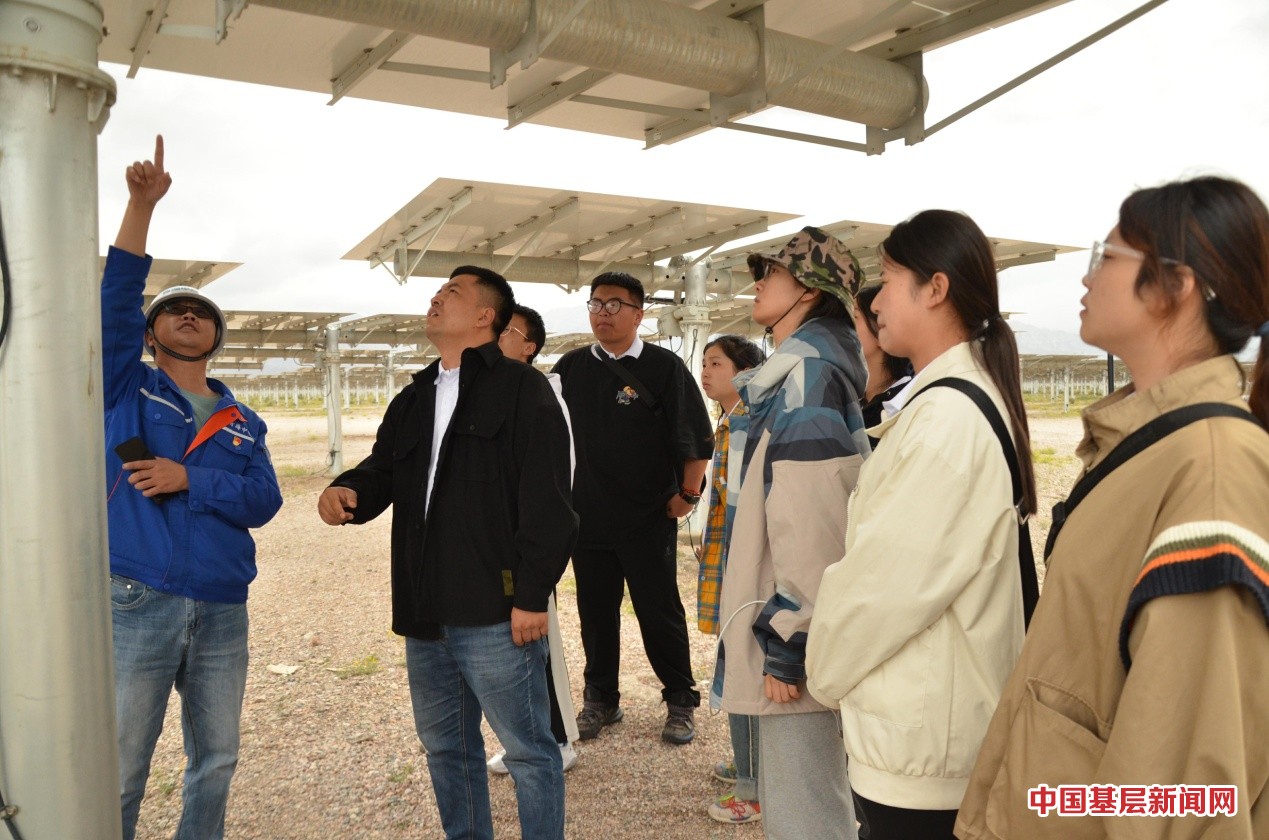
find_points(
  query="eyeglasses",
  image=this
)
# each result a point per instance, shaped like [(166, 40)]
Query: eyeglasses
[(1097, 255), (514, 330), (179, 308), (612, 306)]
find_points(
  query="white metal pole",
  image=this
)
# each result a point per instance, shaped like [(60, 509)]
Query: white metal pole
[(695, 323), (59, 764), (334, 400)]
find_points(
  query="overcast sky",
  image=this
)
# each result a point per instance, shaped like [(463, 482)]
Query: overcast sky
[(281, 182)]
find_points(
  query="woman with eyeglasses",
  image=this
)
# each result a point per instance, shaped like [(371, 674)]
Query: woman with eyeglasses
[(793, 461), (918, 625), (1143, 681)]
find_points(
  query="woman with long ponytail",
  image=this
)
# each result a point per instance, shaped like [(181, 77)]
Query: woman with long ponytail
[(917, 627), (1144, 675)]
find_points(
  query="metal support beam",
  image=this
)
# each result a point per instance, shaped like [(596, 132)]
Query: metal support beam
[(366, 64), (629, 234), (334, 399), (149, 29), (758, 225), (1045, 65), (534, 225), (849, 145), (1032, 258), (572, 273), (432, 221), (553, 94), (226, 9), (913, 131), (529, 243), (695, 323), (951, 27), (500, 60), (754, 96), (59, 761), (438, 72)]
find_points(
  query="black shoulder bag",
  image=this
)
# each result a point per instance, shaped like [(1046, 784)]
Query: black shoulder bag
[(1026, 557), (1148, 435)]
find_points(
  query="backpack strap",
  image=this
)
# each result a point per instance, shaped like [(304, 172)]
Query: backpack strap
[(1135, 443), (1026, 557)]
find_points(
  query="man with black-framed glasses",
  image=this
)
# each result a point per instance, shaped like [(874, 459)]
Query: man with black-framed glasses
[(643, 439)]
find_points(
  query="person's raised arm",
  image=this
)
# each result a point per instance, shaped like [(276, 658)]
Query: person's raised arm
[(148, 182)]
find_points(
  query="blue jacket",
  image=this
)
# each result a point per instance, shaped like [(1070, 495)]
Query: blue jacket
[(195, 544)]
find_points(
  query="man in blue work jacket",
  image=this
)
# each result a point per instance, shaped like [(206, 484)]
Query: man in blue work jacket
[(198, 476)]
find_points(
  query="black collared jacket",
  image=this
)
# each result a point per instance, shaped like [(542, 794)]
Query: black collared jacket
[(500, 525)]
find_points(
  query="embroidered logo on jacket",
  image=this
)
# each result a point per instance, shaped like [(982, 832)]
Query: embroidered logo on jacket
[(627, 395)]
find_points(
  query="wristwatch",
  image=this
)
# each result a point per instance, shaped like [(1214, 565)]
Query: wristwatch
[(688, 496)]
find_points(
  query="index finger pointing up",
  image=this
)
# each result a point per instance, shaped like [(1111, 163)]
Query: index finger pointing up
[(158, 152)]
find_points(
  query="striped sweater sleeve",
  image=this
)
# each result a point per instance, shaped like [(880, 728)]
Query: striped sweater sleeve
[(1198, 557)]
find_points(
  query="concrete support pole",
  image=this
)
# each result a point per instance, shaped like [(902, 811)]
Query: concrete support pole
[(334, 399), (695, 323), (59, 764), (390, 375)]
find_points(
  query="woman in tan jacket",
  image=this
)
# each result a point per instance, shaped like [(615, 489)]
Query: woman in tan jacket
[(1140, 705)]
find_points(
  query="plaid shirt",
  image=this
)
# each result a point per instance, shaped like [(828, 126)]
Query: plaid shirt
[(709, 584)]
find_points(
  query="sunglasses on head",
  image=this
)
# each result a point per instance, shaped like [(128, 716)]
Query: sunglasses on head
[(180, 307)]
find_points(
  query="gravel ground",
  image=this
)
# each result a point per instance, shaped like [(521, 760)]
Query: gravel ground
[(329, 749)]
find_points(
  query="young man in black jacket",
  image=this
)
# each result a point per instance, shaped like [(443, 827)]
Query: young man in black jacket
[(474, 457)]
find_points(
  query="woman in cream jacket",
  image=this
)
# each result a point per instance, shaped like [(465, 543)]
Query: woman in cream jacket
[(917, 627)]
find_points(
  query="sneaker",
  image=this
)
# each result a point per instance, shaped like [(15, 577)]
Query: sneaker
[(680, 725), (568, 758), (735, 811), (725, 771), (594, 717)]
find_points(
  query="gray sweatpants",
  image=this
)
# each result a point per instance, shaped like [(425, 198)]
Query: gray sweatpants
[(802, 780)]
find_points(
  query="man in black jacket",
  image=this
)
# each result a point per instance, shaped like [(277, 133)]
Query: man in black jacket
[(474, 457)]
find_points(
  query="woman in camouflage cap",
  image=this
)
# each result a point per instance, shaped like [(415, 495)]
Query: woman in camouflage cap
[(794, 459)]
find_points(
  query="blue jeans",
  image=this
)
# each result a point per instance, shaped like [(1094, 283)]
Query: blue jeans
[(452, 680), (744, 746), (200, 647)]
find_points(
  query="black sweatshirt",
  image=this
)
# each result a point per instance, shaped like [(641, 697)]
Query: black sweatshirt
[(630, 460)]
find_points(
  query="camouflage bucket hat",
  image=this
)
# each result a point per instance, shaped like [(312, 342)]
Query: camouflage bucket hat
[(820, 261)]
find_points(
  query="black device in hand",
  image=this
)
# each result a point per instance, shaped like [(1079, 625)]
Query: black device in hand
[(134, 449)]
